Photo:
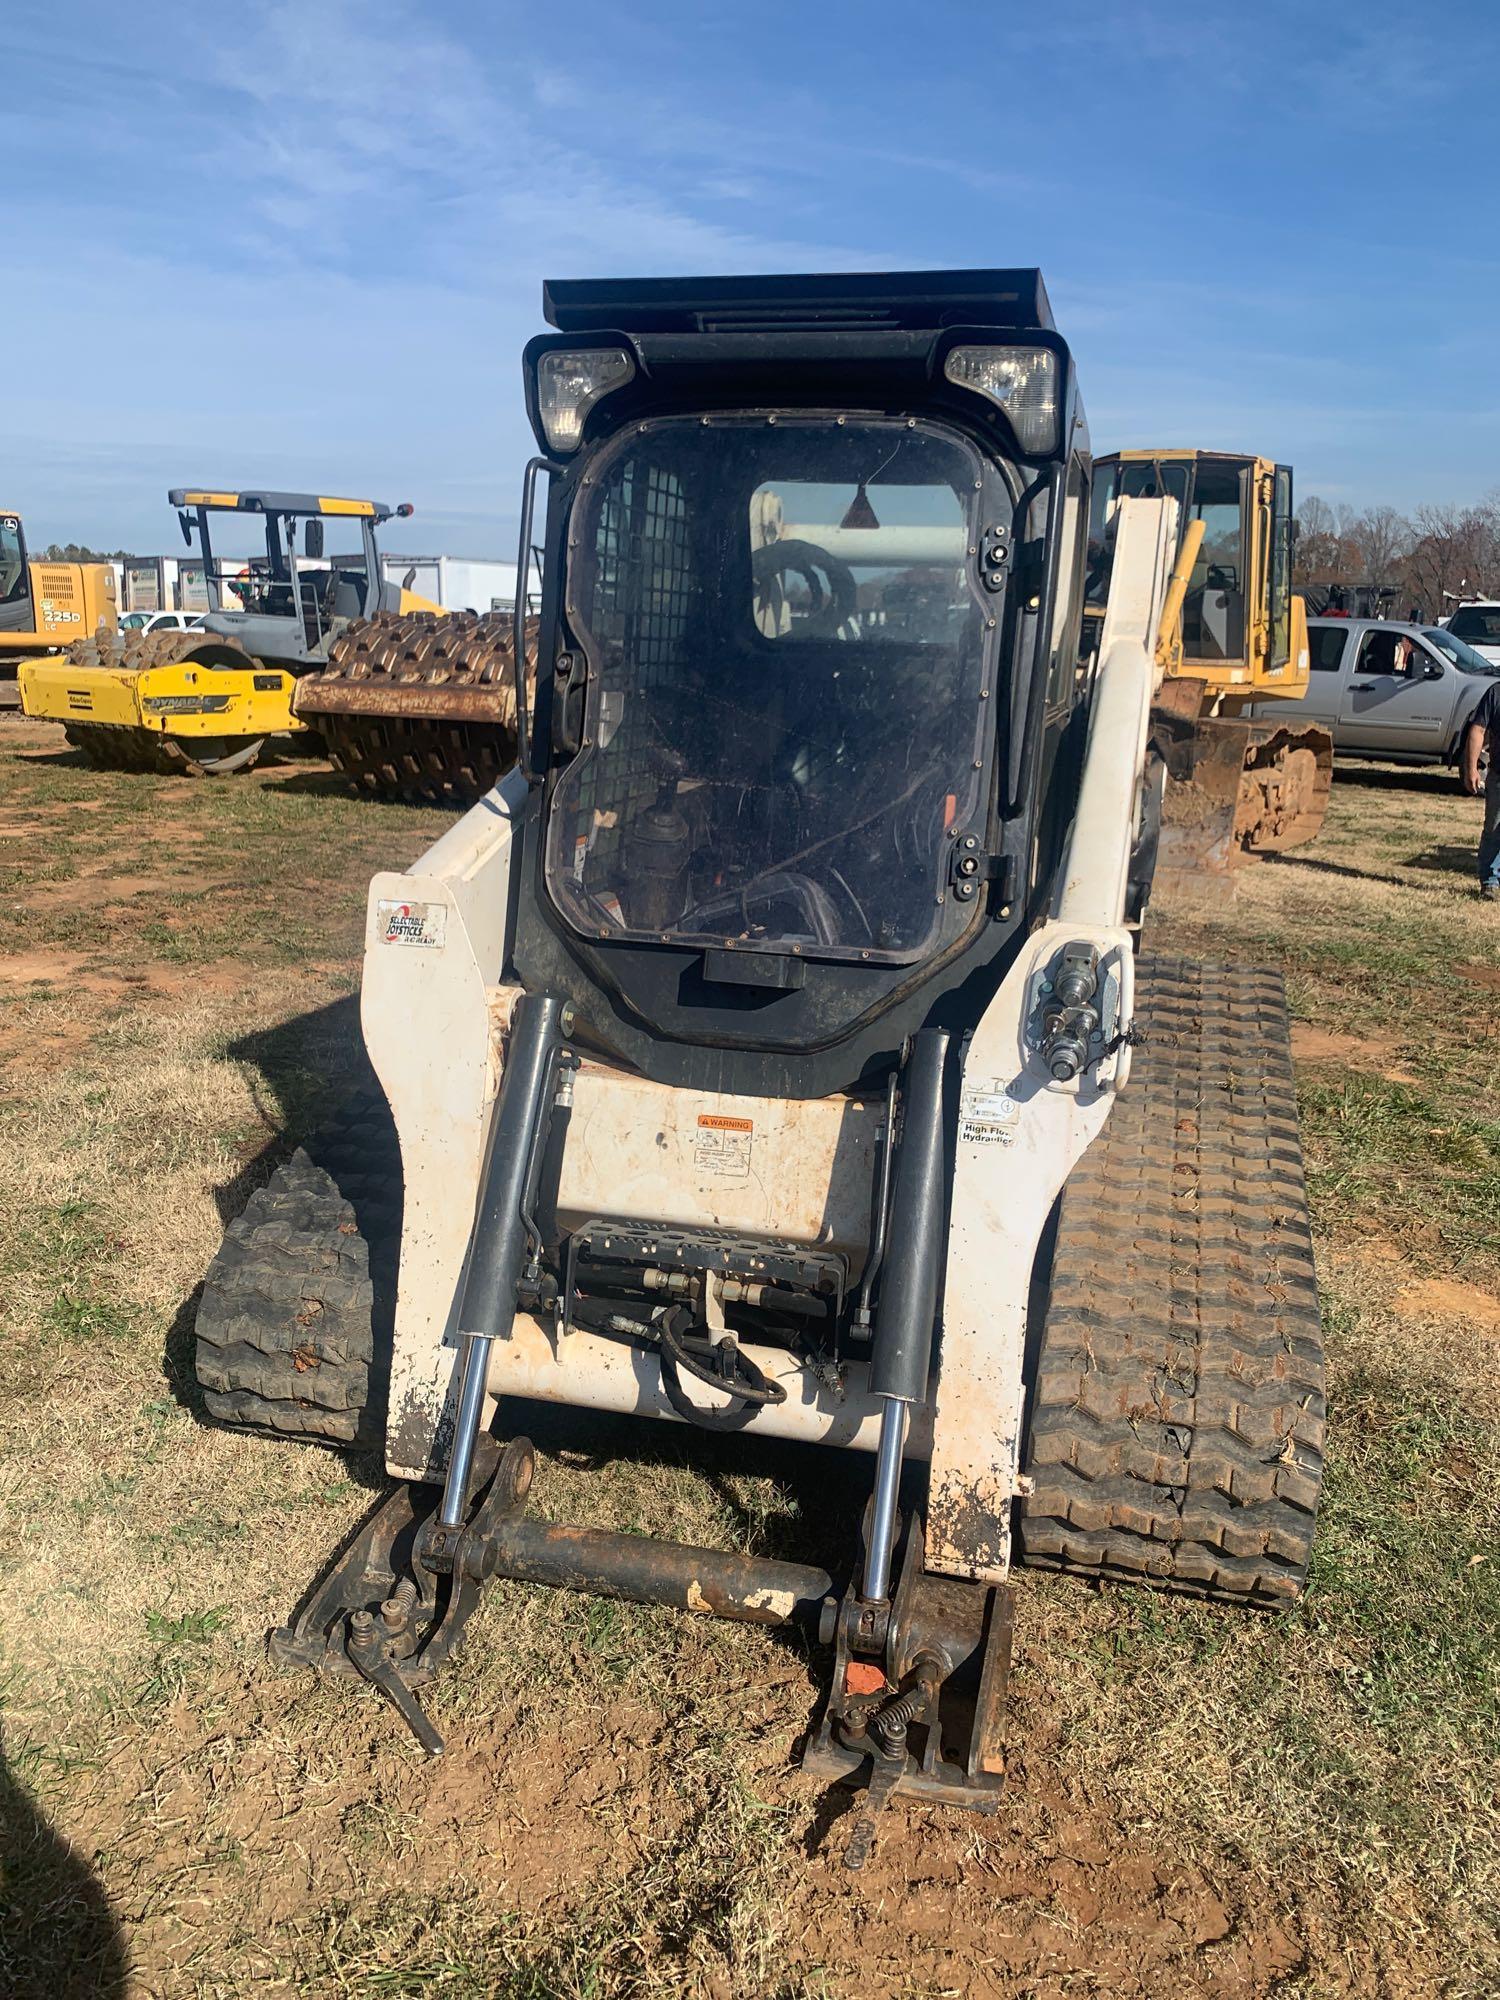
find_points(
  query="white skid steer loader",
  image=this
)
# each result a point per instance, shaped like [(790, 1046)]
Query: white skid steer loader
[(758, 1049)]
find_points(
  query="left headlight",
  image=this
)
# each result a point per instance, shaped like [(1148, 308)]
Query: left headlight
[(569, 381), (1023, 381)]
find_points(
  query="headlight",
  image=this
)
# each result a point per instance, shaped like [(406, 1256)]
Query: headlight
[(568, 384), (1021, 380)]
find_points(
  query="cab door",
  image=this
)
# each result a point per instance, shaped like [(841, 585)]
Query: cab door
[(1402, 714), (17, 613)]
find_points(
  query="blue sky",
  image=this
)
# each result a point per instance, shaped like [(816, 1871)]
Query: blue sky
[(302, 245)]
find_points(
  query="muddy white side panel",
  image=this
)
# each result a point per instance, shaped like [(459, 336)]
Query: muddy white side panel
[(1020, 1132), (435, 952), (1020, 1136)]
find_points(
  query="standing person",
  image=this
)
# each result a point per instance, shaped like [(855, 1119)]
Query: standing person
[(1481, 735)]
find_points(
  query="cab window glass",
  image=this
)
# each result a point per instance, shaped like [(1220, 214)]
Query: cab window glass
[(1384, 653), (1125, 479), (788, 697), (1281, 568), (1326, 645), (1478, 623), (12, 561), (825, 565), (1213, 613)]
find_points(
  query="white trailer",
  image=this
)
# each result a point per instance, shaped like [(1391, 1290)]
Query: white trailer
[(458, 583)]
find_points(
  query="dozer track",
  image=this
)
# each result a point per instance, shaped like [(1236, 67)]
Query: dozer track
[(110, 746), (1177, 1424), (1284, 787), (418, 707)]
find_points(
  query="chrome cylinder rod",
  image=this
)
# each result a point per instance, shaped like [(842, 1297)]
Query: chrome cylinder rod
[(888, 1457), (487, 1310), (476, 1368)]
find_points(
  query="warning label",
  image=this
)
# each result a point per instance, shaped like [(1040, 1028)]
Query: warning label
[(721, 1150), (988, 1117), (412, 923)]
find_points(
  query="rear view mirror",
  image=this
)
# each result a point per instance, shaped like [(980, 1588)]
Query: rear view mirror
[(185, 522), (1433, 671), (312, 541)]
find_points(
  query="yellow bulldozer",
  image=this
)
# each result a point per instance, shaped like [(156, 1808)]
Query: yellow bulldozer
[(1227, 788), (410, 700), (46, 606)]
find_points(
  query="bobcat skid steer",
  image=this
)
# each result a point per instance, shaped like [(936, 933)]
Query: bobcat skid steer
[(743, 1042)]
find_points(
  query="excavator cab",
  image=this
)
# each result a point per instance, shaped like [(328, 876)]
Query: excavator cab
[(16, 614), (45, 606)]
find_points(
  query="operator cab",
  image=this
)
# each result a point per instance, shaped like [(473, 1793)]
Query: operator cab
[(812, 617), (1246, 511), (16, 613), (286, 607)]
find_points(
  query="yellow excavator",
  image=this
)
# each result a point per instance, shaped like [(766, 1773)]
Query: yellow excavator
[(46, 606), (1227, 788), (410, 700)]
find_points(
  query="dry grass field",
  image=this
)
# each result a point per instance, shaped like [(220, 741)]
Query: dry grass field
[(1201, 1804)]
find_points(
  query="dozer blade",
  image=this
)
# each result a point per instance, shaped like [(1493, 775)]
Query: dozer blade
[(418, 707), (1200, 809)]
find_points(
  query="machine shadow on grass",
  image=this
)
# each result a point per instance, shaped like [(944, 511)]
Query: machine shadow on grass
[(1445, 860), (59, 1939), (1438, 781), (1301, 859)]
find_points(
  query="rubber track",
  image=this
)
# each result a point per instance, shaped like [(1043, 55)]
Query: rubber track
[(1178, 1414), (294, 1326), (411, 757), (113, 746)]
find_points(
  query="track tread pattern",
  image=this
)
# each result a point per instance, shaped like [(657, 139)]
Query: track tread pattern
[(293, 1329), (1178, 1412), (415, 758)]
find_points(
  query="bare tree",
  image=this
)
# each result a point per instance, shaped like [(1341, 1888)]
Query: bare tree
[(1326, 553), (1382, 537), (1455, 553)]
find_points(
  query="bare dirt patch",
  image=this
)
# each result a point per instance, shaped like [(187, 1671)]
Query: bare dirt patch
[(1450, 1299), (538, 1819), (37, 968), (94, 888), (81, 974), (1317, 1047)]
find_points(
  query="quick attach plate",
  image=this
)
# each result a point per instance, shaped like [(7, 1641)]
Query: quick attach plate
[(917, 1697)]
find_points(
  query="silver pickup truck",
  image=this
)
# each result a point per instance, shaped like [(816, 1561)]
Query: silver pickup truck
[(1357, 689)]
